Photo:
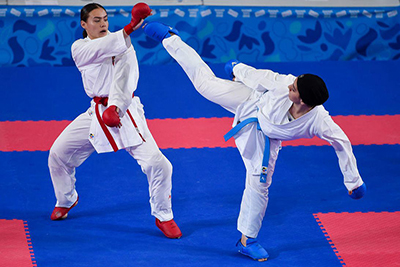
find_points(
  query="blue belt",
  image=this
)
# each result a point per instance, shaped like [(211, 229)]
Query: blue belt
[(236, 129)]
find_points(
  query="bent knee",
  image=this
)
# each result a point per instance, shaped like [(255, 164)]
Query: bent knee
[(157, 162), (55, 157)]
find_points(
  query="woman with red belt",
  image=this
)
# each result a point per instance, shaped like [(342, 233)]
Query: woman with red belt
[(115, 120)]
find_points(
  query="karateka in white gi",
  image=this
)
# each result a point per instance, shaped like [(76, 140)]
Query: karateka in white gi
[(109, 68), (265, 104)]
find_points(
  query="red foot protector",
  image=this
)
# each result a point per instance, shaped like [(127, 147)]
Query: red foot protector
[(15, 244), (363, 239)]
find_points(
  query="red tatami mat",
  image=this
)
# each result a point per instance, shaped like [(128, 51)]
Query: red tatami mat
[(363, 239), (15, 244), (199, 132)]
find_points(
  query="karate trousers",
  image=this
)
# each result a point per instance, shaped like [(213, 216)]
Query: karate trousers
[(73, 147), (234, 97)]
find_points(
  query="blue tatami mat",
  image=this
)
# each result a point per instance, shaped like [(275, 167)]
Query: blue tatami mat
[(112, 226)]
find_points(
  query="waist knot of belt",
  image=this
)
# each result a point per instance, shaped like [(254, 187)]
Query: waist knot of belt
[(101, 100)]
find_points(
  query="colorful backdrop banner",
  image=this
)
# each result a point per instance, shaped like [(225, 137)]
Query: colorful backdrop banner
[(43, 35)]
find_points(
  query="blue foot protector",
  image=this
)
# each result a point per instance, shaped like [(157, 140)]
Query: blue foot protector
[(253, 249), (158, 31), (229, 67), (359, 192)]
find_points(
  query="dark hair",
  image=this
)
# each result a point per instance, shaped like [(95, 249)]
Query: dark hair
[(85, 13), (312, 89)]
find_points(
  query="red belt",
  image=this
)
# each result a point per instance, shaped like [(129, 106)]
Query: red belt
[(104, 102)]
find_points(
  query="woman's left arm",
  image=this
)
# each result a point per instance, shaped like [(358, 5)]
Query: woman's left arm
[(260, 79), (332, 133)]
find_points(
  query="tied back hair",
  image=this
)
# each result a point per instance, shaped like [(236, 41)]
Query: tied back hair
[(85, 13)]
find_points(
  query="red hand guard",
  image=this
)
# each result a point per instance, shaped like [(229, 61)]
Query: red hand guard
[(139, 11), (111, 117)]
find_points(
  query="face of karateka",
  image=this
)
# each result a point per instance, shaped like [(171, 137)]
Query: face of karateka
[(294, 94), (96, 24)]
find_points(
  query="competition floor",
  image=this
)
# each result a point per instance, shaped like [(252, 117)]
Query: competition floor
[(310, 220)]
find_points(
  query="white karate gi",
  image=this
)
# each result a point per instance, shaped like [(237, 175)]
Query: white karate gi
[(109, 68), (262, 94)]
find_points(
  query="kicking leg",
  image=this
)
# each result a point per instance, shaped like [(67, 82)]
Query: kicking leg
[(228, 94)]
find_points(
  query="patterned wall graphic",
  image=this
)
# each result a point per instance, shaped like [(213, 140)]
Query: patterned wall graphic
[(42, 35)]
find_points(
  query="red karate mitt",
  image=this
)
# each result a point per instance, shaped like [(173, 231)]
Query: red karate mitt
[(139, 12), (111, 117)]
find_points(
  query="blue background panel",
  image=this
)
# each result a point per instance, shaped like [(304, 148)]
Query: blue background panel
[(48, 93), (43, 35)]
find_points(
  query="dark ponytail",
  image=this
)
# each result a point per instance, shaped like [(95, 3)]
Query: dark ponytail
[(85, 13)]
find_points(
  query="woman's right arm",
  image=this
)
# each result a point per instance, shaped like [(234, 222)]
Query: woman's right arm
[(86, 52)]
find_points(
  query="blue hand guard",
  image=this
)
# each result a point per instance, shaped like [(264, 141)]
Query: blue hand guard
[(358, 192), (229, 67)]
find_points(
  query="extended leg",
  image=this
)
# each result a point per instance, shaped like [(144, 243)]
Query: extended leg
[(223, 92), (228, 94)]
